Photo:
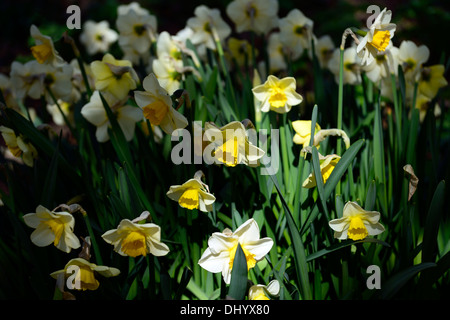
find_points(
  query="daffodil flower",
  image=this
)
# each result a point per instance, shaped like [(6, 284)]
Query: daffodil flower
[(262, 292), (83, 273), (27, 79), (296, 32), (114, 76), (327, 165), (220, 254), (302, 130), (356, 223), (352, 66), (411, 57), (18, 146), (133, 238), (230, 145), (52, 227), (193, 194), (97, 37), (431, 80), (44, 49), (377, 38), (278, 95), (253, 15), (156, 105)]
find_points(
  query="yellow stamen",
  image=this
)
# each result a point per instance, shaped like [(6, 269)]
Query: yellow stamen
[(134, 244), (57, 227), (155, 112), (357, 229), (189, 199), (251, 262), (41, 52), (381, 40)]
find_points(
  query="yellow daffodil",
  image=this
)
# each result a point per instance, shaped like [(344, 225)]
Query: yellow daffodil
[(278, 95), (18, 146), (253, 15), (83, 272), (44, 50), (127, 116), (134, 238), (356, 223), (262, 292), (114, 76), (219, 256), (52, 227), (156, 105), (97, 37), (296, 32), (230, 145), (377, 38), (302, 130), (327, 165), (431, 80), (193, 194), (239, 51)]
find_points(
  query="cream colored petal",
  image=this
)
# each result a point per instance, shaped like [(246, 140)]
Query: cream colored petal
[(248, 231), (259, 248), (42, 236), (339, 224), (214, 262)]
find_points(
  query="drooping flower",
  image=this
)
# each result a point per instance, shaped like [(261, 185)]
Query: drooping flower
[(97, 37), (44, 49), (262, 292), (83, 274), (133, 238), (377, 38), (296, 32), (352, 66), (259, 16), (302, 130), (327, 165), (356, 223), (220, 254), (18, 146), (52, 227), (193, 194), (156, 105), (231, 145), (278, 95), (114, 76), (127, 116)]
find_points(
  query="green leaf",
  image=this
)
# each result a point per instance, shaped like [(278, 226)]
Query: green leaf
[(371, 196), (239, 275), (48, 191), (185, 278)]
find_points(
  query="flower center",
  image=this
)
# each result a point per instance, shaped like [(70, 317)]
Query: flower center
[(139, 29), (155, 112), (277, 98), (300, 30), (57, 227), (357, 229), (85, 279), (189, 199), (228, 152), (381, 40), (249, 257), (134, 244), (41, 52)]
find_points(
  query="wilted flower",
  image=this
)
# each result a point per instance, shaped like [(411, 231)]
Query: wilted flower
[(114, 76), (278, 95), (253, 15), (156, 105), (50, 226), (44, 49), (18, 146), (262, 292), (327, 165), (220, 254), (193, 194), (133, 238), (83, 273), (296, 32), (356, 223), (97, 36)]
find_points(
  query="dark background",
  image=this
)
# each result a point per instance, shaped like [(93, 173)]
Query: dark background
[(423, 21)]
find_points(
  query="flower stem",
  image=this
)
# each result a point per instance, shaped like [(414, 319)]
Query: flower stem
[(98, 257), (340, 106)]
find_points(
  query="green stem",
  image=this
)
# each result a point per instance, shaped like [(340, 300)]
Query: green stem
[(98, 257), (340, 107)]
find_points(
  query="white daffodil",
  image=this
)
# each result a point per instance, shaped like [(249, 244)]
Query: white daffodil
[(323, 48), (97, 37), (83, 273), (134, 238), (127, 116), (208, 27), (231, 145), (276, 52), (253, 15), (52, 227), (356, 223), (18, 146), (166, 45), (278, 95), (296, 32), (384, 64), (193, 194), (27, 79), (57, 117), (262, 292), (44, 49), (352, 66), (135, 6), (156, 105), (377, 38), (168, 71), (221, 251), (59, 82), (411, 57)]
